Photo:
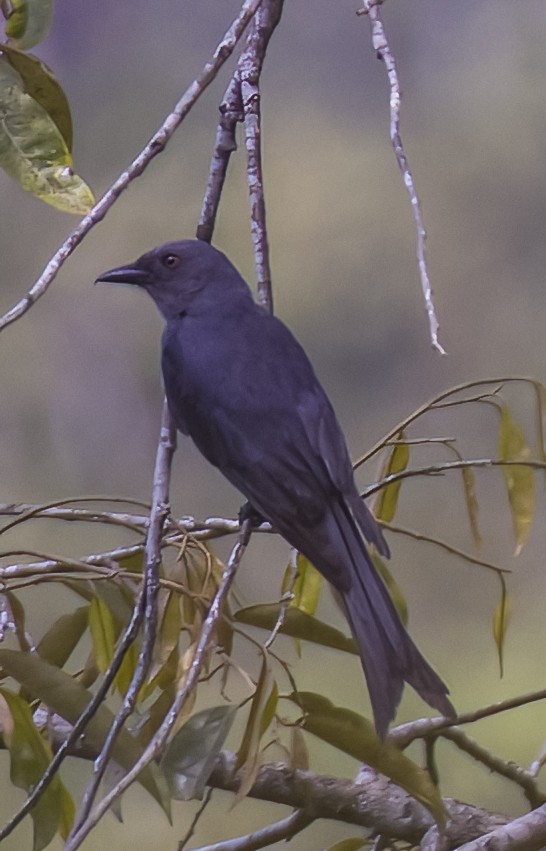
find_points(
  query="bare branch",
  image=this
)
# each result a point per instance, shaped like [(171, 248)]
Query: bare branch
[(446, 466), (149, 591), (285, 829), (156, 144), (505, 768), (405, 734), (374, 803), (382, 47)]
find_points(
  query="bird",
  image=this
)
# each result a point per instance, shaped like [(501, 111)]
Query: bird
[(241, 386)]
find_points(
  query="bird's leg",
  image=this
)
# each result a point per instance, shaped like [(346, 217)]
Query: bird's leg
[(248, 512)]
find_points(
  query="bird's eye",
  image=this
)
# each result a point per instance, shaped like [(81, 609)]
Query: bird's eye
[(171, 261)]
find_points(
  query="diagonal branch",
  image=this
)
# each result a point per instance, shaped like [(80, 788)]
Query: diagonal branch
[(189, 683)]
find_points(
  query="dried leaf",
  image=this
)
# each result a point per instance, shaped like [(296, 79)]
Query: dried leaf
[(355, 735), (261, 711), (520, 482)]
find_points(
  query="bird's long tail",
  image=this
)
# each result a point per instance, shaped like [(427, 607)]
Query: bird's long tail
[(389, 656)]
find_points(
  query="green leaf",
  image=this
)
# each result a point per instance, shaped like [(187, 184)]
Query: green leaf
[(68, 698), (61, 638), (103, 632), (33, 151), (30, 755), (520, 481), (501, 617), (355, 735), (41, 84), (29, 22), (191, 755), (387, 500), (296, 624)]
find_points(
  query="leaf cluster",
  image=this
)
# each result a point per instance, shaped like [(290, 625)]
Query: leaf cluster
[(275, 711)]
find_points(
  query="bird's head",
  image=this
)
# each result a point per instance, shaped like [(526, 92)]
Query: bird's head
[(176, 274)]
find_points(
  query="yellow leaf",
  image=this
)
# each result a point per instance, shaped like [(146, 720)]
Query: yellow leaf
[(501, 617), (520, 482), (103, 632), (387, 500)]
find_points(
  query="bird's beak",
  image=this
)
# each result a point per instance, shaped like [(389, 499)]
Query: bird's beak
[(124, 275)]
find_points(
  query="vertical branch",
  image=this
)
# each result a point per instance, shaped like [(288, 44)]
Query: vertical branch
[(249, 71), (147, 605), (382, 47)]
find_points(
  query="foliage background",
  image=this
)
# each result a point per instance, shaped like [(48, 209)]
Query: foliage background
[(80, 378)]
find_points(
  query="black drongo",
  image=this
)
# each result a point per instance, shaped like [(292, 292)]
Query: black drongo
[(242, 387)]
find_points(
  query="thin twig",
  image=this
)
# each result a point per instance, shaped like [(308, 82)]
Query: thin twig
[(157, 745), (405, 734), (156, 144), (423, 409), (279, 831), (446, 466), (149, 590), (505, 768), (420, 536), (191, 829), (382, 47), (24, 512)]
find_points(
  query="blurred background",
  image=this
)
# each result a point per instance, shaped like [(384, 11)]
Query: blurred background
[(79, 383)]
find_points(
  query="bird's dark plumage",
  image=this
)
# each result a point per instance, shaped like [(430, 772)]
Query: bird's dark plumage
[(242, 387)]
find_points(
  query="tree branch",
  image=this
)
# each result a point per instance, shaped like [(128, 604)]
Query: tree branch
[(156, 144), (382, 47)]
